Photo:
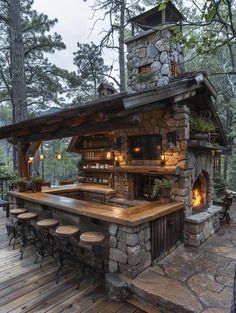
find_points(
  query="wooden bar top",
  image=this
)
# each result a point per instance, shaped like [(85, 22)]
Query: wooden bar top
[(129, 217), (96, 188)]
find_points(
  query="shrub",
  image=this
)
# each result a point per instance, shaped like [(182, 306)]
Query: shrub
[(200, 124)]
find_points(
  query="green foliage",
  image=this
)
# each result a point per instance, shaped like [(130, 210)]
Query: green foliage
[(200, 124), (158, 184), (46, 84), (91, 70), (145, 77), (5, 165), (20, 180), (53, 170), (219, 187), (36, 179)]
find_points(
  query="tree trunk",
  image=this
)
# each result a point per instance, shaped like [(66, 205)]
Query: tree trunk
[(19, 107), (121, 45)]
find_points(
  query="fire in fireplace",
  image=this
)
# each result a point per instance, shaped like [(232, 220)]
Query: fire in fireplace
[(199, 192), (197, 198)]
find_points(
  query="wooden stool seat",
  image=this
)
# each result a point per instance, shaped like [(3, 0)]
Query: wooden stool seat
[(18, 211), (92, 238), (67, 231), (28, 216), (47, 223)]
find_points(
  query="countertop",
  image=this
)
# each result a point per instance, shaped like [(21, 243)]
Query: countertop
[(96, 188), (133, 216)]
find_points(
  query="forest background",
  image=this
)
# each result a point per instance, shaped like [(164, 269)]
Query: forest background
[(208, 35)]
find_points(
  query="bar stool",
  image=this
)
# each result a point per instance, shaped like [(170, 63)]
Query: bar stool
[(28, 232), (15, 225), (66, 252), (45, 247), (93, 240)]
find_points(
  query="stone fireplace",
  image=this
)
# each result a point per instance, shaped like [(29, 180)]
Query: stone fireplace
[(201, 166)]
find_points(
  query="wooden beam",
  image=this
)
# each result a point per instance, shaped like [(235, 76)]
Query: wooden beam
[(104, 104), (23, 167), (184, 96), (33, 148), (158, 95), (87, 128)]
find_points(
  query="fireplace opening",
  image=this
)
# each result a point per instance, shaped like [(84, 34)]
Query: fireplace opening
[(199, 192), (143, 186)]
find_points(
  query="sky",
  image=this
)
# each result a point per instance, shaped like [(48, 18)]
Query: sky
[(74, 25)]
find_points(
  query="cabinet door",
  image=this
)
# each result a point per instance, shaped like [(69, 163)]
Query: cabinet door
[(166, 233)]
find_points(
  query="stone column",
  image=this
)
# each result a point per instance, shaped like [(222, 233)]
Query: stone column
[(130, 249)]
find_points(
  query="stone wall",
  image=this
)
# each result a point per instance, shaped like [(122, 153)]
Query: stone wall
[(190, 162), (198, 227), (130, 249), (152, 48), (172, 119)]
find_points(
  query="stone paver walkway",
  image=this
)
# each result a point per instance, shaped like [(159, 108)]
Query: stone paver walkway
[(194, 279)]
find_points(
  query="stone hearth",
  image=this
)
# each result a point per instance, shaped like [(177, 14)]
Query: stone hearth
[(200, 226)]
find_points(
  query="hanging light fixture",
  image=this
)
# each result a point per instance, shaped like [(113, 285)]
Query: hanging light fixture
[(41, 157), (31, 158), (109, 155), (163, 159), (59, 156)]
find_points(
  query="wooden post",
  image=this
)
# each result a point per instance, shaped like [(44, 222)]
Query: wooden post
[(23, 168)]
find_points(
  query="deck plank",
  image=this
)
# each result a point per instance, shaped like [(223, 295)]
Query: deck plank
[(25, 288)]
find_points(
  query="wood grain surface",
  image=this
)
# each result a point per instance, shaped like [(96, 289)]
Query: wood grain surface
[(133, 216)]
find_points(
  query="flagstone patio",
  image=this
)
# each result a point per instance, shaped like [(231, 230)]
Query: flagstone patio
[(194, 279)]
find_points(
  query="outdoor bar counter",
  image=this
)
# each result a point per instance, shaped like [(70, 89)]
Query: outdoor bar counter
[(131, 233)]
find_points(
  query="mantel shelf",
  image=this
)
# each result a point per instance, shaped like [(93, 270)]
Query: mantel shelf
[(151, 170), (197, 144), (103, 170), (78, 149), (98, 160)]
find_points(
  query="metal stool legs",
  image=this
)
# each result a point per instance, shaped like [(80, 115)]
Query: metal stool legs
[(28, 237)]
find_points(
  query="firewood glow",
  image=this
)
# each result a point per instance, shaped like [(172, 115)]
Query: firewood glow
[(197, 198)]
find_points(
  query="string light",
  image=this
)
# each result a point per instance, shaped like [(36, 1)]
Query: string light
[(41, 157), (30, 160), (59, 156)]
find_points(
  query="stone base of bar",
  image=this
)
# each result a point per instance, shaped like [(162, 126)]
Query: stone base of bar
[(198, 227), (130, 249)]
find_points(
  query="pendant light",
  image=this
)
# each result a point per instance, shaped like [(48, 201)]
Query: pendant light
[(41, 157), (59, 156)]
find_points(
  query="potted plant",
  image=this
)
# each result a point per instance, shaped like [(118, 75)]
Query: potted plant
[(20, 183), (200, 127), (36, 183), (162, 189), (144, 77)]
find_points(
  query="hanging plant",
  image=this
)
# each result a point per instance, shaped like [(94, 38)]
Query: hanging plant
[(142, 78), (200, 124)]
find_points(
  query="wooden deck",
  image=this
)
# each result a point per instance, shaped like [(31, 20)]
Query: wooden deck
[(24, 288)]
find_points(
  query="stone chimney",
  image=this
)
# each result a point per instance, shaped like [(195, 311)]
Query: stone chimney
[(153, 58)]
